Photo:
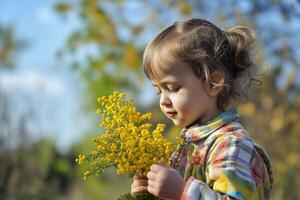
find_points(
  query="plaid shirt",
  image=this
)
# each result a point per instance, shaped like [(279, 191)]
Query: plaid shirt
[(220, 161)]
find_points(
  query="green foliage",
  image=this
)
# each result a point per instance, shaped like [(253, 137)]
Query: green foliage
[(140, 196), (63, 7), (9, 46), (26, 170), (114, 62)]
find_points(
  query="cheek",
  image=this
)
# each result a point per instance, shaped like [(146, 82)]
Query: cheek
[(160, 106), (181, 103)]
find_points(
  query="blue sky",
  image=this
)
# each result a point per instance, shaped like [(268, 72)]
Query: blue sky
[(37, 22), (40, 82)]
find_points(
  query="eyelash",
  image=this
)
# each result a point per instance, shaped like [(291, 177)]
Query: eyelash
[(174, 89), (169, 89)]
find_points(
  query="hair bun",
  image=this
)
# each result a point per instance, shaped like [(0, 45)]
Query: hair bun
[(240, 39)]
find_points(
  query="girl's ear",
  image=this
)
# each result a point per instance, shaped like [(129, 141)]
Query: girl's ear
[(215, 84)]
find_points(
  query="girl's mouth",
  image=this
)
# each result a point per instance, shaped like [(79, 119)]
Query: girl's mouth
[(171, 114)]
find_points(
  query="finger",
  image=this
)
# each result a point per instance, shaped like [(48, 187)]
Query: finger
[(152, 190), (156, 168), (140, 182), (139, 189), (138, 176), (139, 185), (151, 175), (152, 184)]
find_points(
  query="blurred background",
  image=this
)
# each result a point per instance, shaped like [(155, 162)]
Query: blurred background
[(57, 57)]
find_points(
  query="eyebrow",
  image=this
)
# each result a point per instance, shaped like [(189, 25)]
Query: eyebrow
[(163, 83)]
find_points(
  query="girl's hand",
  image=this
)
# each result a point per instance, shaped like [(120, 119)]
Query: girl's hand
[(165, 182), (139, 184)]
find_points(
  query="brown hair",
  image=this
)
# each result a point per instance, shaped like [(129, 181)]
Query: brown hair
[(206, 48)]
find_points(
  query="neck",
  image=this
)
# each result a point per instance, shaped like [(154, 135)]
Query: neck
[(209, 115)]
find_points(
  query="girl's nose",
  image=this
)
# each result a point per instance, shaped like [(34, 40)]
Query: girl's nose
[(165, 100)]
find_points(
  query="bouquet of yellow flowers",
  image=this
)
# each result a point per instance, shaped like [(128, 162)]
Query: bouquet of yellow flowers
[(127, 143)]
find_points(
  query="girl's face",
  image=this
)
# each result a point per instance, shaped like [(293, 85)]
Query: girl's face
[(183, 98)]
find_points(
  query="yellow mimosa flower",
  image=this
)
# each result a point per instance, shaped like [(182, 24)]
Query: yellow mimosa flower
[(128, 144)]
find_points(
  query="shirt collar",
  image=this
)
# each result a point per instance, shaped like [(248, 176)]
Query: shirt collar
[(198, 131)]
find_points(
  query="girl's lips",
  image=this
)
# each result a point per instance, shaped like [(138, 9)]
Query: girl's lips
[(171, 114)]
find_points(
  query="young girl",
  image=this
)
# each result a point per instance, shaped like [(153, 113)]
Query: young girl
[(198, 69)]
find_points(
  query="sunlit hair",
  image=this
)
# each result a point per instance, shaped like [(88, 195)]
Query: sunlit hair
[(206, 48)]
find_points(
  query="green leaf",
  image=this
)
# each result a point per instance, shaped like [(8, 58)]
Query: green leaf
[(139, 196)]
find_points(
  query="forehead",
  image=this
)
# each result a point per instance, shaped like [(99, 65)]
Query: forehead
[(161, 61), (170, 72)]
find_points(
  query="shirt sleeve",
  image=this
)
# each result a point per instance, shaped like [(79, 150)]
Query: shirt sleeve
[(233, 171)]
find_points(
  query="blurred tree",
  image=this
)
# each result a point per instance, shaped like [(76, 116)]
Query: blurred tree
[(110, 62), (114, 33), (9, 46), (28, 170)]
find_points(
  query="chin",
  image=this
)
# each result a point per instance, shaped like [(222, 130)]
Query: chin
[(178, 123)]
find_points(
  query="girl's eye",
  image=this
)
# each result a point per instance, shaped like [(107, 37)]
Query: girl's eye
[(174, 89)]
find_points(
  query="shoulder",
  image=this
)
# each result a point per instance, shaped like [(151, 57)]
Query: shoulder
[(231, 142), (234, 153), (232, 148)]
